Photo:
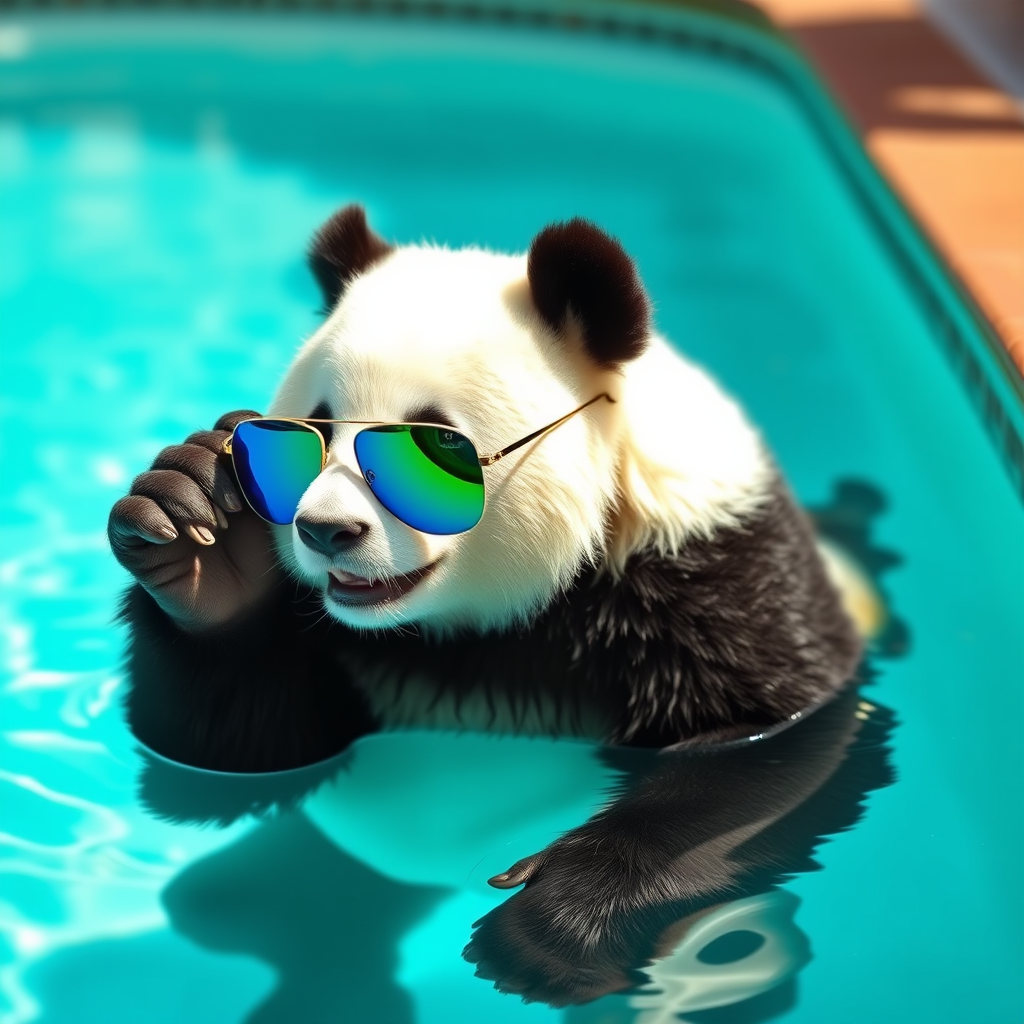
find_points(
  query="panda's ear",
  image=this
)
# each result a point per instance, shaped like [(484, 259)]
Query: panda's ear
[(343, 247), (575, 268)]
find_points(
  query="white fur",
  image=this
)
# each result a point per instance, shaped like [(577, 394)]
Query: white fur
[(689, 464), (458, 330)]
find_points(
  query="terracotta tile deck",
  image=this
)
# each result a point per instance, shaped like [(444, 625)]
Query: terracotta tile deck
[(948, 140)]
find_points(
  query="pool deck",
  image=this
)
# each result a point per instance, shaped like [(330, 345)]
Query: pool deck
[(950, 141)]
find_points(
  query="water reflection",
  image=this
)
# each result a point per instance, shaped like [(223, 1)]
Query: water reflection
[(665, 902), (326, 923), (732, 954)]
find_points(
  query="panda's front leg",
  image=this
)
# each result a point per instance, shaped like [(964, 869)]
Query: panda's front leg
[(588, 918), (692, 828), (595, 906), (230, 665)]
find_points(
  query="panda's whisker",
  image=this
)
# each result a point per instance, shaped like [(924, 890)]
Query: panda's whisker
[(316, 622)]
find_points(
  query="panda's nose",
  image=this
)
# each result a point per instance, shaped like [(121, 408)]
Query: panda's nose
[(330, 538)]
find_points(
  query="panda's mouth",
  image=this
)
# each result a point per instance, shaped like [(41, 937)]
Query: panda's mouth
[(349, 589)]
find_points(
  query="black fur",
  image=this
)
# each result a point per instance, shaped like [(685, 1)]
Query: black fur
[(576, 269), (343, 247), (739, 631), (262, 696)]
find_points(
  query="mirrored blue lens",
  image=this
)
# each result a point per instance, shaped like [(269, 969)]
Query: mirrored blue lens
[(275, 462), (428, 477)]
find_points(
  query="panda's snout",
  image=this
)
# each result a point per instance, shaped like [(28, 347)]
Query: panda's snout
[(330, 537)]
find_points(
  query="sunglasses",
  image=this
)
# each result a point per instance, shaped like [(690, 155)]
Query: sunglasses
[(426, 475)]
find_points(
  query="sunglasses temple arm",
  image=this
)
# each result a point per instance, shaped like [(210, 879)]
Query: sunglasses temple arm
[(489, 460)]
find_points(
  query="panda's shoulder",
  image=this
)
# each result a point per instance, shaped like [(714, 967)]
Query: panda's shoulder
[(738, 625)]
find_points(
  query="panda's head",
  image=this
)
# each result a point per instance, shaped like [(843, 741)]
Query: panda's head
[(496, 347)]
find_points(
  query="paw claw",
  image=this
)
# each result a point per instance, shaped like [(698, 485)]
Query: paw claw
[(520, 872), (200, 534)]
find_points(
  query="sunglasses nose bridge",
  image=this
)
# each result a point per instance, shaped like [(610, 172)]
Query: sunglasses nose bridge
[(341, 463), (339, 494), (340, 485)]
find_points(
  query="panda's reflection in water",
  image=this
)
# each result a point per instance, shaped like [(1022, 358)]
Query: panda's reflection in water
[(706, 834)]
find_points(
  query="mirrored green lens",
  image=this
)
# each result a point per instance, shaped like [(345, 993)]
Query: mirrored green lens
[(275, 462), (429, 477)]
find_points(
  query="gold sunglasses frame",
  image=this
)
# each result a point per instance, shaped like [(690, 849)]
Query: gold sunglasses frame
[(484, 460)]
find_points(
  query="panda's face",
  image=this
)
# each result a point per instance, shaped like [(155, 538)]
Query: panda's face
[(431, 335)]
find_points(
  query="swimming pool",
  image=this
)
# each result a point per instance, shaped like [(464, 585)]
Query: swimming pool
[(161, 176)]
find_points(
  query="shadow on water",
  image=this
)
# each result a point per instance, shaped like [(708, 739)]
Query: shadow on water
[(327, 924), (846, 522)]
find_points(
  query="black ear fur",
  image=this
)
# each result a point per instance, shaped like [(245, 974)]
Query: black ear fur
[(576, 268), (342, 248)]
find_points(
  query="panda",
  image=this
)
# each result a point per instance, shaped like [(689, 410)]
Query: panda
[(640, 575)]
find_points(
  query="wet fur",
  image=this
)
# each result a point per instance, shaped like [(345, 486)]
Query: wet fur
[(694, 829)]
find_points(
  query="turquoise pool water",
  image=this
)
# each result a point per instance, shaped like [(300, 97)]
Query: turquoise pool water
[(160, 177)]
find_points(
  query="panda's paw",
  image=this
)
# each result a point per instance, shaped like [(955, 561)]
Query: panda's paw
[(184, 532), (569, 937)]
